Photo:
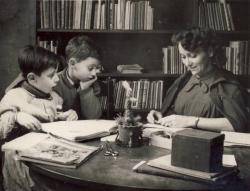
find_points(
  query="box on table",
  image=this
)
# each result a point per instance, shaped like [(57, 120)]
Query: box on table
[(197, 150)]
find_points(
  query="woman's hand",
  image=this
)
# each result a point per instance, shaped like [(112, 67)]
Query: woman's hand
[(28, 121), (69, 115), (154, 116), (178, 121)]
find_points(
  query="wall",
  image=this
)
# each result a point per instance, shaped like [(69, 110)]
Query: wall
[(17, 28)]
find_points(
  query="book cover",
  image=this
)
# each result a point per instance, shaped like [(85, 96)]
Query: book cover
[(80, 130), (142, 167), (164, 162), (45, 149)]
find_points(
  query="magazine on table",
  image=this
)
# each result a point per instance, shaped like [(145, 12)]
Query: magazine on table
[(45, 149)]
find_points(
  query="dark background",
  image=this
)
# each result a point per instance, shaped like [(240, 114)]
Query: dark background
[(17, 28)]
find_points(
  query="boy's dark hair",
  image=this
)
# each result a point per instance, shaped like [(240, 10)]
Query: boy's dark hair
[(36, 59), (80, 48), (204, 38)]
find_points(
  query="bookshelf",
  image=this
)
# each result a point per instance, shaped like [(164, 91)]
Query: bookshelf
[(137, 36)]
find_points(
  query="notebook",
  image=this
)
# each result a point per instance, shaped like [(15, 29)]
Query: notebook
[(164, 162), (143, 167), (80, 130)]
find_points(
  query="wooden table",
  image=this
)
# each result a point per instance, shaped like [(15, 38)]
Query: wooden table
[(109, 173)]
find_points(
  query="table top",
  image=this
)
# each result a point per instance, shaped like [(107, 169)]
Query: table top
[(116, 173)]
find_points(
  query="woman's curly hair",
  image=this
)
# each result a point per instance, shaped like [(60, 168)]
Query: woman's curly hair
[(204, 38)]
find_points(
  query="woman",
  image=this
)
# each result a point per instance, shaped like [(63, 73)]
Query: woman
[(206, 96)]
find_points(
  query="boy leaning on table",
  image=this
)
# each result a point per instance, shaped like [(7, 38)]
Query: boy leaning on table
[(22, 109), (78, 88)]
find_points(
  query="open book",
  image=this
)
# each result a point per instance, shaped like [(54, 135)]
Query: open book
[(154, 128), (45, 149), (235, 138), (159, 135), (80, 130)]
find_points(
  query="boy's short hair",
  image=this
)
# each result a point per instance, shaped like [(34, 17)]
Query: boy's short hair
[(80, 48), (36, 59)]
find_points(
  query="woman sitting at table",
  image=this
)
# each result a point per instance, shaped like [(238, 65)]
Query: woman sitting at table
[(206, 96)]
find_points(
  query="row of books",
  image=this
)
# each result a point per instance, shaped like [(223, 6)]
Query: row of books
[(148, 94), (172, 60), (96, 14), (237, 55), (103, 100), (216, 15), (51, 45)]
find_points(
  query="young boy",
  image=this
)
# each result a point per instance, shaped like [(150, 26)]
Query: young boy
[(77, 87), (23, 108), (32, 101)]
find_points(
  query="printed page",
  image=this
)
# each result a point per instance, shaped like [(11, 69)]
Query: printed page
[(234, 138), (80, 130), (54, 150), (157, 127)]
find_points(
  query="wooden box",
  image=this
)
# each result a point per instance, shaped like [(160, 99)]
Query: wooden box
[(198, 150)]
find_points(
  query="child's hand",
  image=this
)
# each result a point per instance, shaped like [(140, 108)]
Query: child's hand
[(87, 84), (69, 115), (28, 121)]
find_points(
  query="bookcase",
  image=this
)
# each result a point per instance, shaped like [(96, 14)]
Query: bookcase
[(138, 32)]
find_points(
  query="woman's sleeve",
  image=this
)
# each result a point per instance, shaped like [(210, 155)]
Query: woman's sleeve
[(235, 110)]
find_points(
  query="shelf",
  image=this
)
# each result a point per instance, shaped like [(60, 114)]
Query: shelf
[(231, 1), (123, 32), (135, 110), (95, 31), (155, 75)]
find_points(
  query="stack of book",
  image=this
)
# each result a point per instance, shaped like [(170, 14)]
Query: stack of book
[(130, 69), (162, 167)]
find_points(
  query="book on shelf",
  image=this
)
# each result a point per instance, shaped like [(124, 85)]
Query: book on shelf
[(147, 93), (45, 149), (81, 130), (215, 15), (236, 52), (96, 14), (130, 69), (162, 167)]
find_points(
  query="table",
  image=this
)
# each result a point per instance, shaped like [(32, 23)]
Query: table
[(109, 173)]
